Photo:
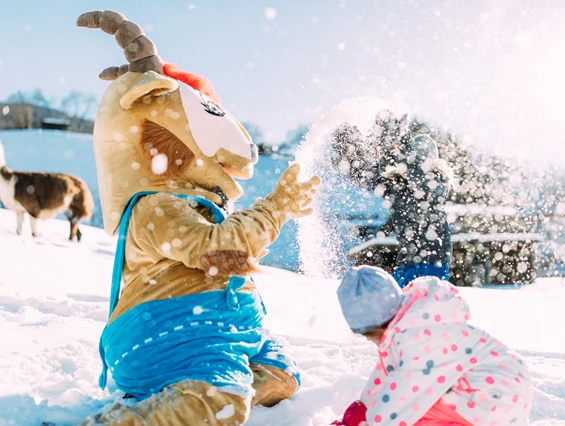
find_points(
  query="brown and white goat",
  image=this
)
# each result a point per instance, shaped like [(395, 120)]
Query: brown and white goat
[(44, 196)]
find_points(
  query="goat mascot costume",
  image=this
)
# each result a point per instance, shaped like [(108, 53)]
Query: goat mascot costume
[(184, 337)]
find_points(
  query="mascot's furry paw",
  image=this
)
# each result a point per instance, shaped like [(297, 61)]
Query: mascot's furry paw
[(291, 197)]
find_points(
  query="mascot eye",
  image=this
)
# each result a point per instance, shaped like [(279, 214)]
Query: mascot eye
[(210, 106)]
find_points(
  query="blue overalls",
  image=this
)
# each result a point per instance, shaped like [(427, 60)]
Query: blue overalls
[(210, 337)]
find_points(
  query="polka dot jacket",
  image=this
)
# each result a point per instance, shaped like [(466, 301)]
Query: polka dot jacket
[(429, 352)]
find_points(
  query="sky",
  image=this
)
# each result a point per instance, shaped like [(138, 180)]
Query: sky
[(489, 70)]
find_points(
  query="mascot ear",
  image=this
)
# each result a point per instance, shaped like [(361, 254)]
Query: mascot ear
[(175, 155), (149, 83)]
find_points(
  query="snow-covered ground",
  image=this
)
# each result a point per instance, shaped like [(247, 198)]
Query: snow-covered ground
[(54, 301)]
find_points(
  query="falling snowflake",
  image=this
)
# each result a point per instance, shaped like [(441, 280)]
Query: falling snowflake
[(159, 164)]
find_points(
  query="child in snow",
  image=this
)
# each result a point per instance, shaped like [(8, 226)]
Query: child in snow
[(434, 368), (185, 337)]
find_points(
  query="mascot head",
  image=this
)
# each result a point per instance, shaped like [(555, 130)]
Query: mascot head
[(161, 129)]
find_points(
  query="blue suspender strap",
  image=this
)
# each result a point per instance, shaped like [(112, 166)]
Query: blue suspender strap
[(218, 215), (121, 250)]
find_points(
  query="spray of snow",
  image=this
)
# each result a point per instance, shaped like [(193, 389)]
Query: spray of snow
[(323, 236)]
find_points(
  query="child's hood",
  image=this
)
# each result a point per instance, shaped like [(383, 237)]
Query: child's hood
[(428, 302)]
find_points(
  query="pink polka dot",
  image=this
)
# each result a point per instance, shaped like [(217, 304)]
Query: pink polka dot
[(516, 379), (504, 383), (407, 374), (402, 400), (454, 315), (476, 420), (436, 297), (400, 354), (493, 408), (507, 410), (379, 367), (402, 424), (415, 389), (384, 354), (427, 348), (411, 321), (470, 404), (501, 365), (465, 333), (416, 358), (515, 398), (473, 360), (490, 380), (417, 337), (483, 398), (482, 340), (454, 347), (459, 367), (446, 336), (397, 329), (378, 418), (415, 407), (430, 391), (494, 353), (467, 316), (445, 351), (427, 332), (377, 381), (441, 379), (437, 318), (393, 386), (369, 392)]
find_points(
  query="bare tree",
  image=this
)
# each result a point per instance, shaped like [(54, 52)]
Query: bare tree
[(34, 98), (79, 105), (17, 116)]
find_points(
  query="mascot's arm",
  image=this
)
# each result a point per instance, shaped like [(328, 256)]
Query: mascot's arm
[(165, 226)]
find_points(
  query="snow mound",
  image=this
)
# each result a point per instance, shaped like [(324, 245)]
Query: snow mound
[(54, 303)]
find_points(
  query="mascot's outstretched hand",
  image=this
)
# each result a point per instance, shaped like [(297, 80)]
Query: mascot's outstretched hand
[(292, 197)]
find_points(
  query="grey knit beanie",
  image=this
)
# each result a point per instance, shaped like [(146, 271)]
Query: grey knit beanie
[(369, 298)]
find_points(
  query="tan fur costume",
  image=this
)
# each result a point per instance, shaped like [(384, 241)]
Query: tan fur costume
[(150, 135)]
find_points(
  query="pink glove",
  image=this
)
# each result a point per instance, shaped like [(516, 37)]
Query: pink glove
[(355, 414)]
